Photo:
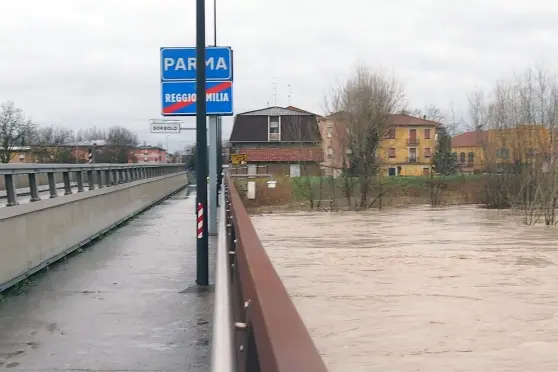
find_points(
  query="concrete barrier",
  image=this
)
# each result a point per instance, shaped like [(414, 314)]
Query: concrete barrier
[(37, 234)]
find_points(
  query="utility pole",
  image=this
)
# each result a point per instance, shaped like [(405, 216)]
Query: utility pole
[(202, 253)]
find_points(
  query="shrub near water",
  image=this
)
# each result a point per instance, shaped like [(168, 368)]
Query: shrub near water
[(282, 194), (329, 192)]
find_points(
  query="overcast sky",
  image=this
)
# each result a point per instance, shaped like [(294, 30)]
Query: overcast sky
[(81, 63)]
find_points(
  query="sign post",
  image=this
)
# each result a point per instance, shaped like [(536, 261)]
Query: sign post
[(212, 175), (199, 82), (202, 247)]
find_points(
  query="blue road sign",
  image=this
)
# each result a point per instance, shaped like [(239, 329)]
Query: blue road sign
[(180, 64), (179, 98)]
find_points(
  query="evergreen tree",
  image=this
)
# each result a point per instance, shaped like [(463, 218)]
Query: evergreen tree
[(444, 162)]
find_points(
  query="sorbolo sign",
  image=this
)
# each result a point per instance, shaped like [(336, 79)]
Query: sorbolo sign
[(164, 126)]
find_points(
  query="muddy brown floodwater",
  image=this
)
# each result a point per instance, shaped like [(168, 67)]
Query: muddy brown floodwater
[(417, 289)]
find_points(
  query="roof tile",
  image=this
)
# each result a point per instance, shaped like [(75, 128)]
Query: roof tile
[(405, 120), (468, 139)]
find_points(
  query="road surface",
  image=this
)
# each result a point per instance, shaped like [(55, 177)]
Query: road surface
[(124, 304)]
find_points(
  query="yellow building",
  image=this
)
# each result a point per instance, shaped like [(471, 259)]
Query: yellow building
[(475, 151), (409, 146), (406, 150)]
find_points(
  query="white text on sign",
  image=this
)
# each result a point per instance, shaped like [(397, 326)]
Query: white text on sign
[(191, 97), (187, 64)]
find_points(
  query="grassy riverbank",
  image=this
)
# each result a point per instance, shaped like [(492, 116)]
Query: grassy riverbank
[(327, 193)]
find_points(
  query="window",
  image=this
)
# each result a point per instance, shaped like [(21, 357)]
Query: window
[(502, 153), (427, 134), (391, 152), (391, 133), (329, 131), (413, 155), (274, 128), (427, 152), (330, 152), (454, 156), (462, 157), (471, 158)]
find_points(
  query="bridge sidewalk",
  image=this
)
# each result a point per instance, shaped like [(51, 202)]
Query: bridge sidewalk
[(120, 305)]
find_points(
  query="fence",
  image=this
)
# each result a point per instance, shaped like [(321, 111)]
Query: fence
[(256, 326), (97, 176)]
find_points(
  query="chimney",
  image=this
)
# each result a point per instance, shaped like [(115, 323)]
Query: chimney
[(424, 117)]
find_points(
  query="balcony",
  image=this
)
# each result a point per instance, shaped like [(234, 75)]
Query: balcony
[(412, 142)]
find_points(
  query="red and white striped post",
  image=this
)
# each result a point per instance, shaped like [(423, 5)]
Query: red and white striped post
[(200, 220)]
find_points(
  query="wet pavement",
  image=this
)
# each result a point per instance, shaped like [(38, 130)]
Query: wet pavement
[(123, 304)]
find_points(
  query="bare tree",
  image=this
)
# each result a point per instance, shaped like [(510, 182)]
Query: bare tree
[(517, 124), (430, 112), (119, 146), (15, 130), (366, 100), (51, 144), (91, 134)]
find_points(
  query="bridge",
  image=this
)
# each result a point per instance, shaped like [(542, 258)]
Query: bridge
[(97, 270)]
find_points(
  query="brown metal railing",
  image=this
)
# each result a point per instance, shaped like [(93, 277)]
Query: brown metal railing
[(270, 335)]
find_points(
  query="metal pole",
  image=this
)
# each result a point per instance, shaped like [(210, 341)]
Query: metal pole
[(215, 22), (219, 167), (213, 175), (219, 156), (202, 254)]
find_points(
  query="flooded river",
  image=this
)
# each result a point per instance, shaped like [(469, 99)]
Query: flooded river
[(417, 289)]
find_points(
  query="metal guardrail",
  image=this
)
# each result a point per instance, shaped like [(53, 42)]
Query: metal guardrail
[(269, 334), (98, 176), (222, 359)]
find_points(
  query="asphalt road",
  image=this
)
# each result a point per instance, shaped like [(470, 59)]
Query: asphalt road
[(126, 303)]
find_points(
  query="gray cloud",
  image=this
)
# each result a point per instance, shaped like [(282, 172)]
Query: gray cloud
[(83, 63)]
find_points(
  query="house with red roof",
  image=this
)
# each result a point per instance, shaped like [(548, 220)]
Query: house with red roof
[(406, 149), (467, 150), (281, 140)]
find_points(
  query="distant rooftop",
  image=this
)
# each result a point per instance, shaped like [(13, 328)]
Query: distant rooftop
[(277, 111), (99, 142)]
